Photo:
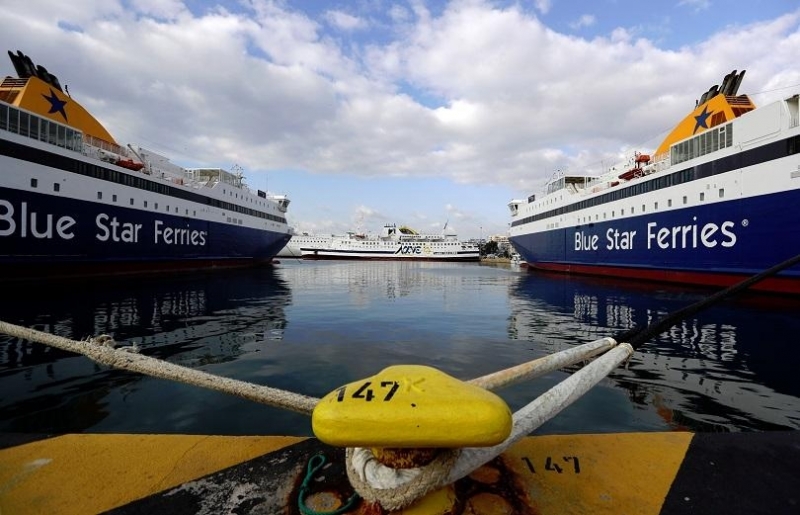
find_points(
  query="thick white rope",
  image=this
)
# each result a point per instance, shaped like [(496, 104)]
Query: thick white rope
[(394, 490), (545, 365), (98, 350), (391, 488), (543, 408)]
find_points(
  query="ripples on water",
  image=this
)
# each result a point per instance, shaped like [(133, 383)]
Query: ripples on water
[(310, 327)]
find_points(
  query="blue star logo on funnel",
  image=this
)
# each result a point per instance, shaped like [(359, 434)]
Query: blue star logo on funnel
[(56, 104)]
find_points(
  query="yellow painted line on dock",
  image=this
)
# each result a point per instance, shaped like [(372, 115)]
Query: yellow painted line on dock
[(627, 473), (90, 473)]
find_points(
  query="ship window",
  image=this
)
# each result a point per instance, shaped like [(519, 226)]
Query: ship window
[(23, 124), (56, 186), (62, 136), (113, 198), (685, 199), (167, 210), (145, 203), (187, 211), (721, 192), (702, 195), (643, 208), (52, 134), (131, 201), (669, 202), (34, 183), (99, 195), (194, 213), (655, 206), (3, 117), (156, 206), (43, 130), (176, 209), (13, 120)]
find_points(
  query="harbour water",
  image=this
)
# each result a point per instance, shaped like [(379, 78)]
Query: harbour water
[(310, 327)]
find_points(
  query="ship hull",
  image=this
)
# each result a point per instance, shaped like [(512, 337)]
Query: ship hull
[(93, 227), (716, 204), (387, 255), (345, 257), (717, 244), (53, 236)]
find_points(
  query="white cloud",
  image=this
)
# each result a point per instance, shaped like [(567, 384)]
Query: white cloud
[(505, 99), (696, 5), (543, 6), (344, 21), (585, 20), (163, 9)]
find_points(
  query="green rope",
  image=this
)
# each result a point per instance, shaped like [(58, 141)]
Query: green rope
[(315, 464)]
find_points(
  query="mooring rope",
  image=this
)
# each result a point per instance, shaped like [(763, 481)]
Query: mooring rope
[(637, 337), (544, 365), (373, 481), (395, 490), (547, 405), (101, 350)]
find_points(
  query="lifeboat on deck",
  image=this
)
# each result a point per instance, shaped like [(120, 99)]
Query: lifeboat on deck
[(130, 164)]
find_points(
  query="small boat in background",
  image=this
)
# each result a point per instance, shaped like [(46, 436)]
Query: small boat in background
[(396, 244)]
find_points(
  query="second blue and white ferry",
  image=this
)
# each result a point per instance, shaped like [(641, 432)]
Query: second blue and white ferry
[(73, 201), (716, 202)]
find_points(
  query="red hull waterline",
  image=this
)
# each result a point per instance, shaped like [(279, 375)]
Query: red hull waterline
[(782, 285)]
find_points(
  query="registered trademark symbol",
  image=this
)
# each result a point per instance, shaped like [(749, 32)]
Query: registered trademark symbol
[(745, 222)]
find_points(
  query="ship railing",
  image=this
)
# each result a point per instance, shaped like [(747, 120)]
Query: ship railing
[(101, 144)]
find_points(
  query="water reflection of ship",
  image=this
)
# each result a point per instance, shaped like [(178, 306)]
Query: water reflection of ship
[(190, 320), (728, 368), (359, 278)]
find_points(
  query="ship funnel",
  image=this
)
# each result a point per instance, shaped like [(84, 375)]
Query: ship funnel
[(725, 88), (736, 83)]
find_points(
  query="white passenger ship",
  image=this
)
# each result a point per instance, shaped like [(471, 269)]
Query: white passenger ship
[(73, 201), (304, 240), (397, 243), (715, 203)]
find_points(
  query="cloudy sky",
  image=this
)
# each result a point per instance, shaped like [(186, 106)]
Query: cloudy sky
[(415, 112)]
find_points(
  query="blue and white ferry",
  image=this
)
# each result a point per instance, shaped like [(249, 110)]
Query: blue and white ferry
[(73, 201), (717, 201)]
